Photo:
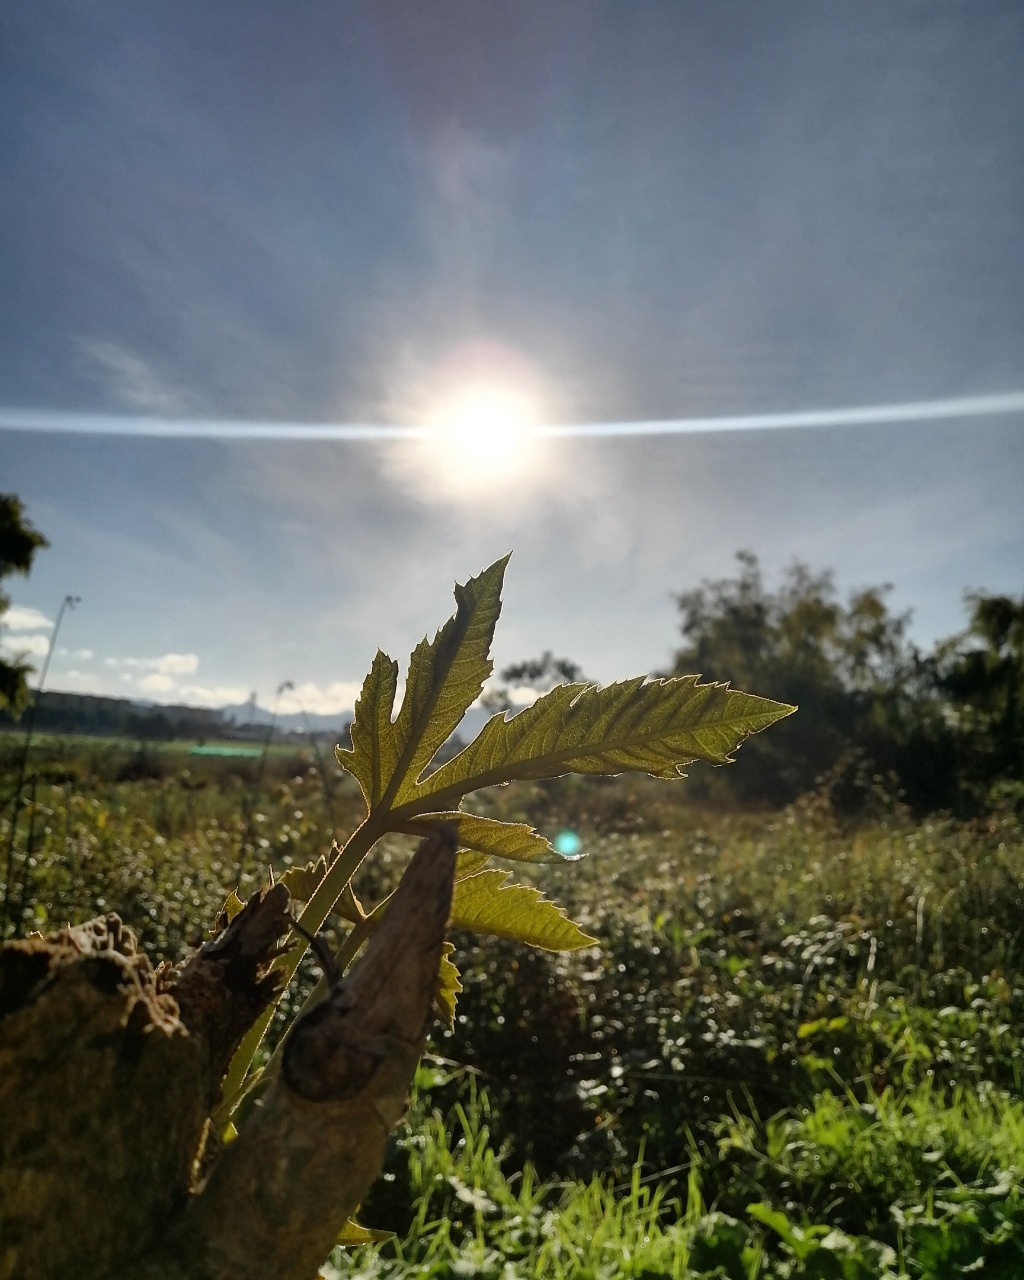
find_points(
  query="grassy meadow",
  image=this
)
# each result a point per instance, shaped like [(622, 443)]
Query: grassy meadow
[(797, 1051)]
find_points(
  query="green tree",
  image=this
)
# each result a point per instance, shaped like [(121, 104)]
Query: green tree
[(540, 674), (982, 671), (19, 542), (848, 664)]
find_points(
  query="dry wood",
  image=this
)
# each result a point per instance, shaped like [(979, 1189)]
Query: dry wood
[(105, 1090), (102, 1103)]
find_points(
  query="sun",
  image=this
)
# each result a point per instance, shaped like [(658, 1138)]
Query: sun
[(481, 417), (484, 428)]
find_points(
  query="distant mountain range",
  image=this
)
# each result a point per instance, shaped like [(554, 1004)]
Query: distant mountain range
[(293, 722), (91, 713), (299, 722)]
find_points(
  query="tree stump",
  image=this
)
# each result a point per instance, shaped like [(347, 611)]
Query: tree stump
[(109, 1071)]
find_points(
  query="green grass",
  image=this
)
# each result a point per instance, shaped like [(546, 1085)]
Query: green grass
[(910, 1185), (468, 1217), (819, 1018)]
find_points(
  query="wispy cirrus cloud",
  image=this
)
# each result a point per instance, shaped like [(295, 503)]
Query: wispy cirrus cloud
[(134, 381)]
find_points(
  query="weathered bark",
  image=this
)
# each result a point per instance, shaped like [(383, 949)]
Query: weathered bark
[(102, 1103), (224, 986), (106, 1084)]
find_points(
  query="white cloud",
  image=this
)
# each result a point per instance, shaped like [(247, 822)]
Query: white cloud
[(339, 695), (520, 696), (35, 646), (523, 695), (156, 682), (76, 681), (20, 617), (219, 695), (177, 664), (168, 664), (79, 655), (159, 678)]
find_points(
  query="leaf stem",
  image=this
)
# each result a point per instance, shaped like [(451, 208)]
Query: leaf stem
[(316, 911), (343, 957)]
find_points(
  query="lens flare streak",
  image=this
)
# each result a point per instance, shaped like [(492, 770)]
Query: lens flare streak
[(110, 424)]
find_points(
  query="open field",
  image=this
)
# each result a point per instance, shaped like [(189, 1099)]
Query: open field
[(105, 747), (797, 1051)]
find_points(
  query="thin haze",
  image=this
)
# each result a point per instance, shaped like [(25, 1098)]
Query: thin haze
[(688, 229)]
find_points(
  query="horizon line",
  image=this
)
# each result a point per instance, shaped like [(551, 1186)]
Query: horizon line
[(147, 425)]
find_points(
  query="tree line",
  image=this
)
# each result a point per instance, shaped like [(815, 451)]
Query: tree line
[(943, 728), (940, 729)]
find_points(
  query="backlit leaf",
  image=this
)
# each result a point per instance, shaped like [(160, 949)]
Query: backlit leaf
[(374, 752), (352, 1234), (496, 839), (447, 674), (652, 726), (485, 903), (303, 882), (655, 726), (469, 862), (449, 984), (232, 905)]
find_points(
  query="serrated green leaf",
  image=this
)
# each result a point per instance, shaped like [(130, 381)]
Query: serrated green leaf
[(374, 752), (496, 839), (353, 1234), (303, 882), (232, 905), (447, 674), (651, 726), (469, 862), (449, 984), (485, 903)]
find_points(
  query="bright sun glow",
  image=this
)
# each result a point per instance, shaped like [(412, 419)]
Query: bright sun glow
[(479, 414), (485, 428), (481, 440)]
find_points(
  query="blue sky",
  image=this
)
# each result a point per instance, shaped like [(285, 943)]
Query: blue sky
[(340, 213)]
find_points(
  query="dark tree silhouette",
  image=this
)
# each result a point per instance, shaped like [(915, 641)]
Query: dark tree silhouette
[(862, 688), (982, 672), (541, 673), (19, 542)]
